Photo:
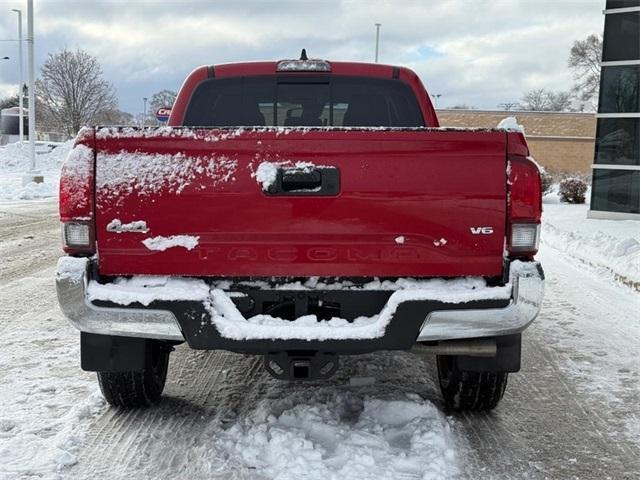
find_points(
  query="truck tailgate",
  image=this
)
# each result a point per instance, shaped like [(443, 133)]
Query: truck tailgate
[(423, 202)]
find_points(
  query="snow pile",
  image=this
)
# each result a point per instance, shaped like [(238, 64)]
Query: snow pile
[(610, 247), (146, 289), (30, 191), (14, 157), (162, 243), (341, 435), (232, 324), (15, 161), (267, 172), (315, 283), (44, 451), (71, 268), (137, 226), (510, 124), (125, 173)]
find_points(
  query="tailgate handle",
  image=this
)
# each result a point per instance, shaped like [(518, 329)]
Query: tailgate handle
[(296, 181)]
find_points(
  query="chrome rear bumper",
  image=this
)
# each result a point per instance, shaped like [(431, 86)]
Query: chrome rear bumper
[(124, 322), (443, 324), (526, 301)]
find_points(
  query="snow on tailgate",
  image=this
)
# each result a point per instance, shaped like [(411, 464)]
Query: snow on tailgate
[(162, 243), (145, 174), (77, 169), (267, 172), (137, 226)]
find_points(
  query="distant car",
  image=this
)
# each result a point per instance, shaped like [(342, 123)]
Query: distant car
[(301, 210)]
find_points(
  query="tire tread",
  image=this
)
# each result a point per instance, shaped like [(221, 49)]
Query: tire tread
[(470, 391), (135, 389)]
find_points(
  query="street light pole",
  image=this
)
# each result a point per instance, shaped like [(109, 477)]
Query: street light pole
[(21, 87), (32, 175), (378, 25)]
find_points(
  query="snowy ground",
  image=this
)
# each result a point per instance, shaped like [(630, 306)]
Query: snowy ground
[(610, 248), (15, 161), (572, 412)]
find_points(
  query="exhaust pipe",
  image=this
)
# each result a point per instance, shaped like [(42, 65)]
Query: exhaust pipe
[(482, 347)]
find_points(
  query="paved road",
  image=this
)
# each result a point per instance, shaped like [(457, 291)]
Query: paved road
[(573, 411)]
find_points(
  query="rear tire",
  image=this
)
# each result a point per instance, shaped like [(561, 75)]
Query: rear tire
[(136, 389), (464, 390)]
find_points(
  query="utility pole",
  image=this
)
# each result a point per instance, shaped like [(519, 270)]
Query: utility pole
[(378, 25), (436, 96), (33, 175), (21, 87)]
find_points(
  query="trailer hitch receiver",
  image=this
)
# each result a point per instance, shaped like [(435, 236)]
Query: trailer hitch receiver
[(301, 365)]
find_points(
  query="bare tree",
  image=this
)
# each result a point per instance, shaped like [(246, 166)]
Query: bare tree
[(559, 101), (536, 100), (463, 106), (8, 102), (543, 100), (508, 106), (163, 98), (584, 60), (73, 92), (114, 117)]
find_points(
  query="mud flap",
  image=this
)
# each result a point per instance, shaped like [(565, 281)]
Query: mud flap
[(105, 353)]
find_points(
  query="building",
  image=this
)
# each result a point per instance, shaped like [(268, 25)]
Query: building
[(615, 189), (562, 142)]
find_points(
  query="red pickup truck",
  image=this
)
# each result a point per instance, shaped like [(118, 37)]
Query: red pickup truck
[(301, 210)]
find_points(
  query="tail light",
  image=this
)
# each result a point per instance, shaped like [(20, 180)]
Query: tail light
[(76, 197), (525, 207)]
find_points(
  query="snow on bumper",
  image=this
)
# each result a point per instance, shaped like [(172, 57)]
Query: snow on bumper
[(207, 317), (72, 278)]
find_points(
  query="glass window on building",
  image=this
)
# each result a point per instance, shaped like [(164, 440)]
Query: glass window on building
[(620, 89), (611, 4), (616, 191), (616, 164), (618, 141), (621, 37)]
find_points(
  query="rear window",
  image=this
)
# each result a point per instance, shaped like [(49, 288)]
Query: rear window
[(308, 101)]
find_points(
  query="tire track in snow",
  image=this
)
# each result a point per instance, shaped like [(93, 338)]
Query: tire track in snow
[(179, 420), (553, 423)]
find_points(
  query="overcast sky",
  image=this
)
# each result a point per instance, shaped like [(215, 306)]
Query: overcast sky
[(477, 52)]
